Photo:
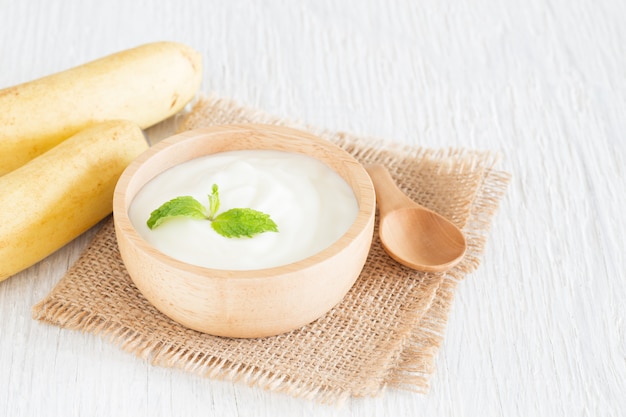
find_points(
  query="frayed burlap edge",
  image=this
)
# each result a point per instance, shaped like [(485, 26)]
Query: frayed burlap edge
[(417, 361), (424, 334)]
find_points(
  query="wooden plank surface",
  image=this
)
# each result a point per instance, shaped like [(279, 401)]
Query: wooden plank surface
[(539, 329)]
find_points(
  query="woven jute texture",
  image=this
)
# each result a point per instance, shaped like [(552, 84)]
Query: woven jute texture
[(384, 334)]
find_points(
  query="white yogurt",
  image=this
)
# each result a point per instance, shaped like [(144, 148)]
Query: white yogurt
[(310, 203)]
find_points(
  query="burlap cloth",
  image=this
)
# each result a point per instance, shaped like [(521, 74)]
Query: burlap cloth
[(385, 333)]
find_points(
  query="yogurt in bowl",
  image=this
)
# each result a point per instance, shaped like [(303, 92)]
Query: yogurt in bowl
[(320, 197), (312, 205)]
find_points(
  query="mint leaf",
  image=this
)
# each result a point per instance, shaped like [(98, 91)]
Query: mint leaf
[(214, 202), (237, 222), (243, 222), (186, 206)]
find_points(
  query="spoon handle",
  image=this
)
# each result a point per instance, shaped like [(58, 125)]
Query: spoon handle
[(388, 196)]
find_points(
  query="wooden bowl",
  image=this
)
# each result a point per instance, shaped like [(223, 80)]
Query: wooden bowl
[(246, 303)]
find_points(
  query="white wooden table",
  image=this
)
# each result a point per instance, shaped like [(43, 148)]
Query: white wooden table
[(538, 330)]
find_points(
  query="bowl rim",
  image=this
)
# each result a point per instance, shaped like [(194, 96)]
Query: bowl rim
[(366, 199)]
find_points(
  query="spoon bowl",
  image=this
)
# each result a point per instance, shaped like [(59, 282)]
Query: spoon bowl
[(412, 234)]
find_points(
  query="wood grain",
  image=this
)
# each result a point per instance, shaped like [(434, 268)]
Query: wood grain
[(539, 329)]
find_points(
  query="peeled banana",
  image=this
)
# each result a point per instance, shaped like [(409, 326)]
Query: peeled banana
[(58, 195), (145, 85)]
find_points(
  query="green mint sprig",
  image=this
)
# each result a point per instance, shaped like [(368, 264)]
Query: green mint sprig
[(236, 222)]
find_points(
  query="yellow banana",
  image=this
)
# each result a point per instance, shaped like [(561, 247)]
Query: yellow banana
[(145, 85), (55, 197)]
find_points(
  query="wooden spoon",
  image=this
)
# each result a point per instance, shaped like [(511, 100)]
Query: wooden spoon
[(412, 234)]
